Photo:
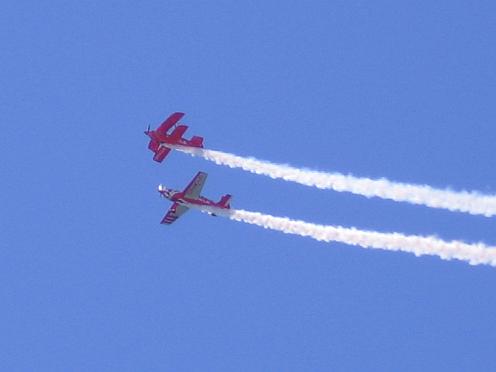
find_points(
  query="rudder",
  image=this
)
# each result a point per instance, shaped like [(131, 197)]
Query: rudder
[(225, 201)]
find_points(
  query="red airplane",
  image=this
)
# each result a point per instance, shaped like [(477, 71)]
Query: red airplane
[(159, 138), (190, 197)]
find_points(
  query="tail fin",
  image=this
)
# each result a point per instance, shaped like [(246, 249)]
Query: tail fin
[(225, 201), (196, 141)]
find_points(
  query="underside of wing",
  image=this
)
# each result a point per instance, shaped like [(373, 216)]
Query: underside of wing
[(176, 211), (169, 122), (195, 187), (178, 132), (161, 153)]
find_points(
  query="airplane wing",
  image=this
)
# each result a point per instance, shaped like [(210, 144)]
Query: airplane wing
[(161, 153), (176, 211), (169, 122), (195, 186), (178, 132)]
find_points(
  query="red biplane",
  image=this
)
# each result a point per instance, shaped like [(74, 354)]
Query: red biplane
[(160, 138), (190, 197)]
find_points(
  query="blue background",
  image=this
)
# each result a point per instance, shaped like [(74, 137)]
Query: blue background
[(90, 281)]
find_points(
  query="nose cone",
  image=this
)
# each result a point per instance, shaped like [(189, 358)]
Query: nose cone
[(162, 190)]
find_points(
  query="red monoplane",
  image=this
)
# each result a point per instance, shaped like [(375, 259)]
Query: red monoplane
[(190, 197), (160, 138)]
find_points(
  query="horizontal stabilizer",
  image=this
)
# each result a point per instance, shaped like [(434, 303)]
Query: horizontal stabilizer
[(196, 141)]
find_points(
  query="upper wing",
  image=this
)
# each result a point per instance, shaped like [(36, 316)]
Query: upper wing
[(195, 186), (176, 211), (169, 122)]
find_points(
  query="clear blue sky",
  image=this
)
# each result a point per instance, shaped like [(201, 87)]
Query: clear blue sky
[(89, 280)]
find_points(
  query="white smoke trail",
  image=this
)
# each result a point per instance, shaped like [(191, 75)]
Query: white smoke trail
[(463, 201), (475, 254)]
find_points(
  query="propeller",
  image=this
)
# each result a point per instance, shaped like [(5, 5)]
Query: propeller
[(147, 129)]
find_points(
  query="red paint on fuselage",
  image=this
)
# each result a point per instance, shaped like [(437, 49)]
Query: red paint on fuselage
[(178, 197), (169, 140)]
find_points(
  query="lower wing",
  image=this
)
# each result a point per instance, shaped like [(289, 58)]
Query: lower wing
[(161, 153), (176, 211)]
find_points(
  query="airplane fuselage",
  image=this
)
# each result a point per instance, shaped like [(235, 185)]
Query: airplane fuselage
[(178, 197), (168, 135), (165, 140), (191, 197)]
